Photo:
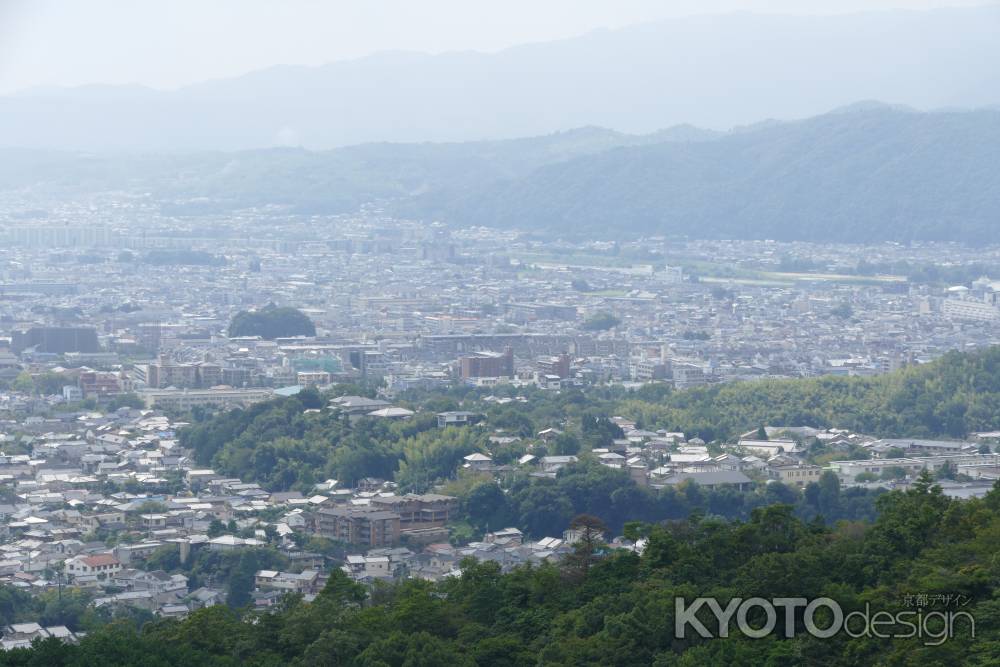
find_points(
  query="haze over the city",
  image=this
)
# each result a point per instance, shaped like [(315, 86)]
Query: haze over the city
[(170, 44), (455, 333), (194, 76)]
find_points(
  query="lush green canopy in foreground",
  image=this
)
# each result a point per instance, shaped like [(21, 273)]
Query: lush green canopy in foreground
[(607, 607)]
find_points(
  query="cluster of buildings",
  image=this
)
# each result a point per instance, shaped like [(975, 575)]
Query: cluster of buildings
[(94, 500), (111, 299), (419, 306), (797, 456), (508, 548)]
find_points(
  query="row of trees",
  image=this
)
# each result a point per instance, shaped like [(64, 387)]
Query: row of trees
[(544, 507)]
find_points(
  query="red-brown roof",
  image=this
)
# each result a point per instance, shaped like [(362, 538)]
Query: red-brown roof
[(99, 560)]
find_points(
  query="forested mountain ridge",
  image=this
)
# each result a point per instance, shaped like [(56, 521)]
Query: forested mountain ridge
[(857, 176), (866, 173)]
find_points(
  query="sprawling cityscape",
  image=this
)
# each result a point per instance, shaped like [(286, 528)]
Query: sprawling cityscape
[(396, 334), (116, 328)]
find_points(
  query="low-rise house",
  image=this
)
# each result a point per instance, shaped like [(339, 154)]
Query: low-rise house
[(797, 474), (232, 543), (552, 464), (205, 597), (102, 566), (508, 537), (368, 567), (456, 418), (20, 635), (478, 462), (138, 599), (302, 582), (711, 479), (392, 412), (177, 611), (611, 460), (768, 448)]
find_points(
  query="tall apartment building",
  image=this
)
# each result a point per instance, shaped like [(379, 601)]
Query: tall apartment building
[(98, 383), (557, 365), (56, 340), (531, 312), (487, 364), (185, 399), (688, 375), (149, 336), (418, 511), (164, 373), (967, 309), (645, 370), (363, 526), (60, 236)]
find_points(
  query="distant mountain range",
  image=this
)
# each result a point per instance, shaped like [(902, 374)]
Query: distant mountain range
[(334, 181), (867, 172), (856, 176), (715, 71)]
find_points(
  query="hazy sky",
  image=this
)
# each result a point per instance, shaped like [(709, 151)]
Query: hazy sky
[(168, 43)]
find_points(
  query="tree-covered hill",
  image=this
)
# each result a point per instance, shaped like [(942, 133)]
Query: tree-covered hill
[(859, 175), (272, 322), (925, 555)]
